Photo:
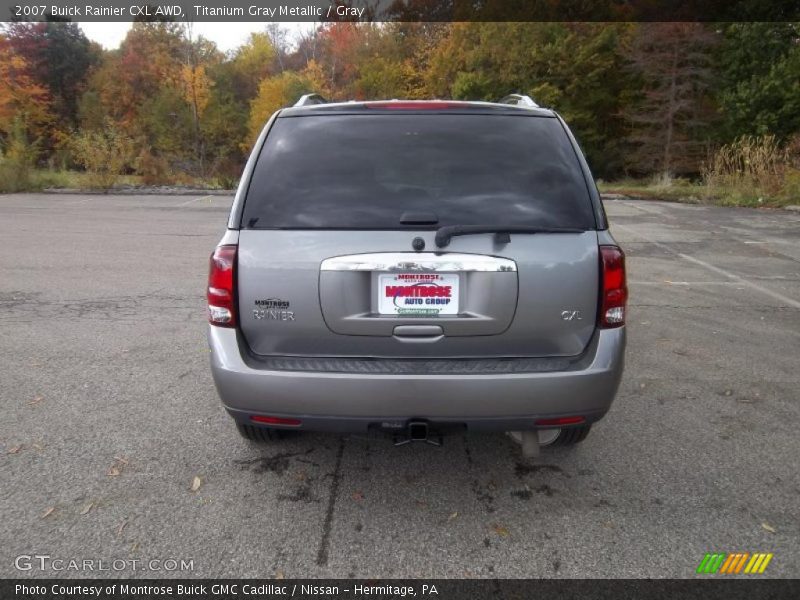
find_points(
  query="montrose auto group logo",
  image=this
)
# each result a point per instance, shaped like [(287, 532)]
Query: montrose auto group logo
[(422, 289)]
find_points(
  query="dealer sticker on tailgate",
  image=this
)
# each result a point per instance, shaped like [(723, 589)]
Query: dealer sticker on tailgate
[(424, 294)]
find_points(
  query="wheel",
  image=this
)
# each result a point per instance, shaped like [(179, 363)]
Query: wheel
[(259, 434), (567, 436)]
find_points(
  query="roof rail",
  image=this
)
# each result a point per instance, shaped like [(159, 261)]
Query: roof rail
[(519, 100), (310, 99)]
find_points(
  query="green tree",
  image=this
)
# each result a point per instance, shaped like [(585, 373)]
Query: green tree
[(166, 125), (759, 79), (577, 69), (17, 159)]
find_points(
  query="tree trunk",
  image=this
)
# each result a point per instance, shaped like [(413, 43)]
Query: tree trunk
[(671, 110)]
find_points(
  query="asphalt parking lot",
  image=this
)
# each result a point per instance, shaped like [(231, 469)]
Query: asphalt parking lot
[(109, 413)]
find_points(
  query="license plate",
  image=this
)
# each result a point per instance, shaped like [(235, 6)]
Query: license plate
[(418, 294)]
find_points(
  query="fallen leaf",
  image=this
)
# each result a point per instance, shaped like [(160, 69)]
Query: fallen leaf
[(279, 575), (38, 447), (134, 547), (48, 512), (87, 508), (501, 531), (768, 527), (36, 400), (122, 526), (453, 516), (196, 483), (358, 496), (116, 469), (15, 449)]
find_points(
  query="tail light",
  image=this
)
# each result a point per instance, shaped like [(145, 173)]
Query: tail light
[(222, 268), (614, 293)]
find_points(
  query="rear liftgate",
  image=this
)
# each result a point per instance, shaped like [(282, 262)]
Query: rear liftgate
[(418, 298)]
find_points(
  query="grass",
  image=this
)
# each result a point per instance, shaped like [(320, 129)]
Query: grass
[(44, 179), (37, 180), (679, 190), (753, 171), (699, 192)]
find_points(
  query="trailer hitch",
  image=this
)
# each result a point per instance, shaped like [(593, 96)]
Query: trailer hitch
[(418, 431)]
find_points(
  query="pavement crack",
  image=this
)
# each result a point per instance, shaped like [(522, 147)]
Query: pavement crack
[(325, 541)]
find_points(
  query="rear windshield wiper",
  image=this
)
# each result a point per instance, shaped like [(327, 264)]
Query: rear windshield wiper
[(446, 233)]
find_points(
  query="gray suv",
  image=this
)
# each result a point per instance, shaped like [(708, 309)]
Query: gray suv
[(417, 267)]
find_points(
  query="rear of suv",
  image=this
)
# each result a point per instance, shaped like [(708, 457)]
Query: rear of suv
[(417, 267)]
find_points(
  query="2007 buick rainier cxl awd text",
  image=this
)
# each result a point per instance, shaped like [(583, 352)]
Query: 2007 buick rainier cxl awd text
[(418, 267)]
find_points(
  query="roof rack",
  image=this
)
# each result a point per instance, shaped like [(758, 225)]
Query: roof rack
[(310, 99), (519, 100)]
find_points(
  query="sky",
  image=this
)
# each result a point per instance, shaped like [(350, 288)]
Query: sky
[(226, 35)]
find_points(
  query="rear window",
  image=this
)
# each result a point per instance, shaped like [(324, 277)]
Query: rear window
[(367, 171)]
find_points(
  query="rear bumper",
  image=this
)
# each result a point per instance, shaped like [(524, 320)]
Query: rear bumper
[(337, 401)]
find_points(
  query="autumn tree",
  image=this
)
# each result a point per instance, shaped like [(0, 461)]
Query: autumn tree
[(308, 44), (278, 37), (58, 56), (279, 91), (150, 57), (341, 45), (642, 98), (105, 154), (196, 86), (24, 103), (672, 62), (252, 62)]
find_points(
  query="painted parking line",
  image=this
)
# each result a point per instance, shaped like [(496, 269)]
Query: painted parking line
[(701, 263), (209, 197)]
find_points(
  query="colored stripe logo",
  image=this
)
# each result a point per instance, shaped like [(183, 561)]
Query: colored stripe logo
[(733, 564)]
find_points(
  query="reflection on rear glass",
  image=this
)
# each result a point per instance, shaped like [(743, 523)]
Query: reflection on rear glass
[(365, 171)]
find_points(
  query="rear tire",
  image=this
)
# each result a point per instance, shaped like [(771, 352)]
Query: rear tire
[(569, 436), (259, 434)]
